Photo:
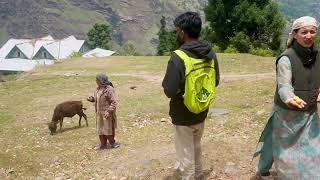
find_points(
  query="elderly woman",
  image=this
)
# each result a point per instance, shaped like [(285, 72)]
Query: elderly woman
[(291, 138), (105, 106)]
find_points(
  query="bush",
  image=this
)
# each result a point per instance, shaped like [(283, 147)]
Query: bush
[(231, 49), (216, 49), (167, 53), (262, 52), (128, 49), (241, 42), (76, 55), (208, 34)]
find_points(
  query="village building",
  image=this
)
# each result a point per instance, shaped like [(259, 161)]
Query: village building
[(25, 54)]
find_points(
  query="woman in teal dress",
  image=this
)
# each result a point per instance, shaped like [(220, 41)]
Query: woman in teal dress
[(291, 138)]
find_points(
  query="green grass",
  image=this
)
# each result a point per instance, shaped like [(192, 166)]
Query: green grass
[(83, 19), (27, 104), (245, 63), (76, 13), (5, 117)]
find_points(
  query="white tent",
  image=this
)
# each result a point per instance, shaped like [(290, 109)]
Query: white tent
[(59, 49), (98, 52)]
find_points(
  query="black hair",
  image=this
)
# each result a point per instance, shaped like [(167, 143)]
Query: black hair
[(190, 23)]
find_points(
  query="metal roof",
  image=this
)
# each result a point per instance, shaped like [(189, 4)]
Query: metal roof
[(64, 48), (59, 49), (7, 47)]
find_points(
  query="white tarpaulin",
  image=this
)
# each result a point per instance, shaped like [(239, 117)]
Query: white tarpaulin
[(19, 65), (98, 52)]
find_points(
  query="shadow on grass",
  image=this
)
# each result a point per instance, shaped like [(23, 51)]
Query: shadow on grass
[(176, 175), (69, 129)]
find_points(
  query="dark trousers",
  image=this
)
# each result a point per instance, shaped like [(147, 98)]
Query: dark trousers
[(104, 139)]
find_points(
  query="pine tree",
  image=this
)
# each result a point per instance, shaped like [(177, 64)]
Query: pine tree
[(162, 46), (167, 39), (99, 36)]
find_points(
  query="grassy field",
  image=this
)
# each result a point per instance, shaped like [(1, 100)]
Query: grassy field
[(145, 132)]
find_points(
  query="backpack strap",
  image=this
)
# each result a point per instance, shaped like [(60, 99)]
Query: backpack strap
[(186, 59)]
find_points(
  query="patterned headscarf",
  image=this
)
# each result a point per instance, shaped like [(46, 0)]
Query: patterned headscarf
[(103, 79), (299, 23)]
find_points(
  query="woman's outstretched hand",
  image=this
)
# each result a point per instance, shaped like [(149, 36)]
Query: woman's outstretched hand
[(296, 102)]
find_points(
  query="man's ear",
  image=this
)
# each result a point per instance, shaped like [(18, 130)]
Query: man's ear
[(182, 33)]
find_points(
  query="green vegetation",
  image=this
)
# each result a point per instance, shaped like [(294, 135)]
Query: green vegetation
[(167, 39), (262, 52), (76, 55), (82, 18), (75, 13), (244, 24), (231, 49), (296, 8), (128, 49), (99, 36)]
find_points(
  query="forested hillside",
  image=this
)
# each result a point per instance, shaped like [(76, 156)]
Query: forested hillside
[(292, 9)]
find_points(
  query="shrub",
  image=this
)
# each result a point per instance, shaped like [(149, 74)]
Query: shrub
[(241, 42), (167, 53), (216, 49), (128, 49), (262, 52), (76, 55), (231, 49)]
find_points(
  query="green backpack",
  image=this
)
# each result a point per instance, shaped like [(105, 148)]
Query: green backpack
[(200, 81)]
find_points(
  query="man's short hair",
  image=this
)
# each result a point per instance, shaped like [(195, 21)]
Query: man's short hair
[(190, 23)]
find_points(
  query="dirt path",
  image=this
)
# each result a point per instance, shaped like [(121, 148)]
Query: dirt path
[(157, 77)]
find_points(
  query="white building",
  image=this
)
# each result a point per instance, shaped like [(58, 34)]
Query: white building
[(25, 54)]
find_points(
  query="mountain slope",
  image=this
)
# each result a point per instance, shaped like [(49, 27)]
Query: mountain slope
[(135, 20), (131, 20)]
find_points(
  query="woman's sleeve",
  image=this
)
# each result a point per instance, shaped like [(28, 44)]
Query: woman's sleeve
[(112, 99), (284, 79)]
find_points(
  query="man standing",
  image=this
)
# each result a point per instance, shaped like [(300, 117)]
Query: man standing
[(189, 123)]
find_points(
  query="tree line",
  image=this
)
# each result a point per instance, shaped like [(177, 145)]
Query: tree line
[(231, 26), (245, 26)]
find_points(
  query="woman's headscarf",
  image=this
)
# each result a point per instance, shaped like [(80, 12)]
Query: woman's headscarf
[(299, 23), (103, 79)]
